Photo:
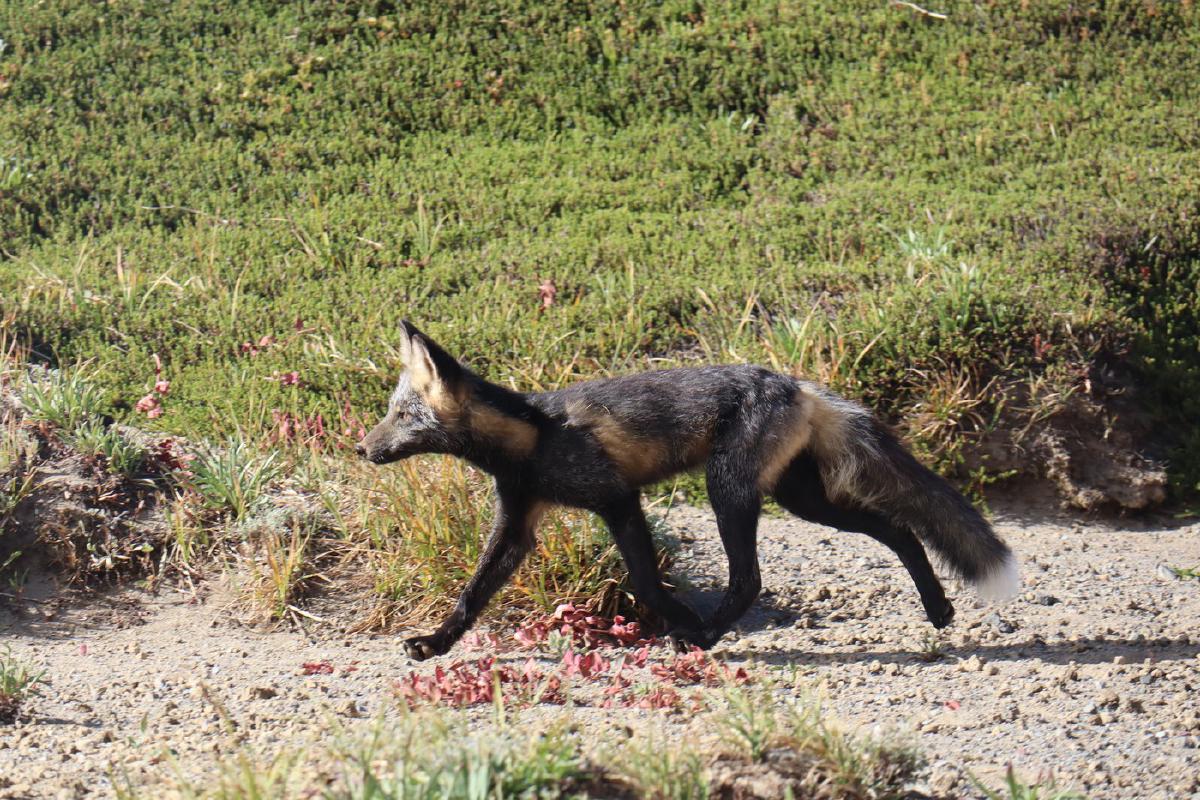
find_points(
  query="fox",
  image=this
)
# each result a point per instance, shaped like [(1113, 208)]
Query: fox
[(756, 433)]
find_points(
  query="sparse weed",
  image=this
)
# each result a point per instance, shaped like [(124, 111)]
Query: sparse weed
[(827, 762), (933, 648), (13, 174), (419, 757), (660, 770), (63, 399), (286, 564), (18, 682), (17, 475), (121, 455), (189, 536), (425, 232), (245, 776), (1016, 789), (1186, 573), (749, 722), (17, 480), (925, 246), (397, 764), (849, 766), (231, 478)]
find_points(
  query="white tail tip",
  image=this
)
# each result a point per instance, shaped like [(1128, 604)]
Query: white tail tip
[(1001, 583)]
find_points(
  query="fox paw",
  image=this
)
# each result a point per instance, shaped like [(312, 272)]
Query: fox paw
[(420, 648), (684, 639), (941, 617)]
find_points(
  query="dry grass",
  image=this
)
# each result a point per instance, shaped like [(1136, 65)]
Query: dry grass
[(422, 524)]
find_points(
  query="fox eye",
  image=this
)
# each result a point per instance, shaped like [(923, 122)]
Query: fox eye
[(401, 414)]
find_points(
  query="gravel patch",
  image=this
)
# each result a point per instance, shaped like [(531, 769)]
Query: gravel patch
[(1091, 674)]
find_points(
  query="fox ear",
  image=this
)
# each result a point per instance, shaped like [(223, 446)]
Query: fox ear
[(407, 332), (435, 374)]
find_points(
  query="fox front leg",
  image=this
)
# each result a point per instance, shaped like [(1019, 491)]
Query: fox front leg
[(511, 539)]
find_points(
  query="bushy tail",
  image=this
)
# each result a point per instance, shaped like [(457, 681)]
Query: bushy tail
[(861, 461)]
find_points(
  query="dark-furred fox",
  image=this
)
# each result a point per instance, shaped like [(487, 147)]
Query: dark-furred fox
[(756, 433)]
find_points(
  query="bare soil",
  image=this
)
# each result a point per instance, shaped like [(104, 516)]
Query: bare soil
[(1090, 674)]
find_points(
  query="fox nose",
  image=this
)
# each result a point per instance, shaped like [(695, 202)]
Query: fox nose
[(362, 451)]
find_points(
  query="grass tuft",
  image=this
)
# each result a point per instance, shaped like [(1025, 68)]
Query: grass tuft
[(660, 770), (284, 572), (425, 522), (230, 479), (65, 400), (1016, 789), (822, 760), (18, 682), (121, 455)]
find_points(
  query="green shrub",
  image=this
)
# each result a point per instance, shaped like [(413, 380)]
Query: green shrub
[(254, 191)]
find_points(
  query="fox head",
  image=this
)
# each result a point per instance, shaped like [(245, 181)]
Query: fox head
[(426, 407)]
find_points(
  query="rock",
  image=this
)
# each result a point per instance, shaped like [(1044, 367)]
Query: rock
[(943, 778), (972, 664), (998, 624), (260, 693), (1047, 600), (1166, 573)]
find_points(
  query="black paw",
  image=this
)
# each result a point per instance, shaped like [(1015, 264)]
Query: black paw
[(685, 639), (420, 648), (941, 617)]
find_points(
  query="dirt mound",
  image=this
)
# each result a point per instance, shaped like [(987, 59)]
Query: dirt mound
[(1090, 455), (67, 512)]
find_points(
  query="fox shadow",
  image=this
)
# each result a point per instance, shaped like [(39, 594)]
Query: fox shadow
[(769, 614), (1091, 650)]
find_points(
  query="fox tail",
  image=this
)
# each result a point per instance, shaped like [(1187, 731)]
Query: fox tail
[(862, 462)]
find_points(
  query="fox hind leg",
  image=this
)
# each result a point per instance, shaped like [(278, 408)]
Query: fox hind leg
[(801, 492)]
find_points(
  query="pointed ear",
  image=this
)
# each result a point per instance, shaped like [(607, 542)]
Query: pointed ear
[(407, 332), (409, 329), (435, 374), (420, 365)]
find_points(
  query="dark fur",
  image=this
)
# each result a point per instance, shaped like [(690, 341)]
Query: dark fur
[(595, 443)]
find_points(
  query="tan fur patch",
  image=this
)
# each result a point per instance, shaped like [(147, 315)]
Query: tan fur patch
[(444, 403), (516, 436), (637, 459), (534, 516), (697, 449), (840, 455), (794, 434)]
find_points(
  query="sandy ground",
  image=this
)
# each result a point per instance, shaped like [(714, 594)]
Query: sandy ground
[(1091, 674)]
